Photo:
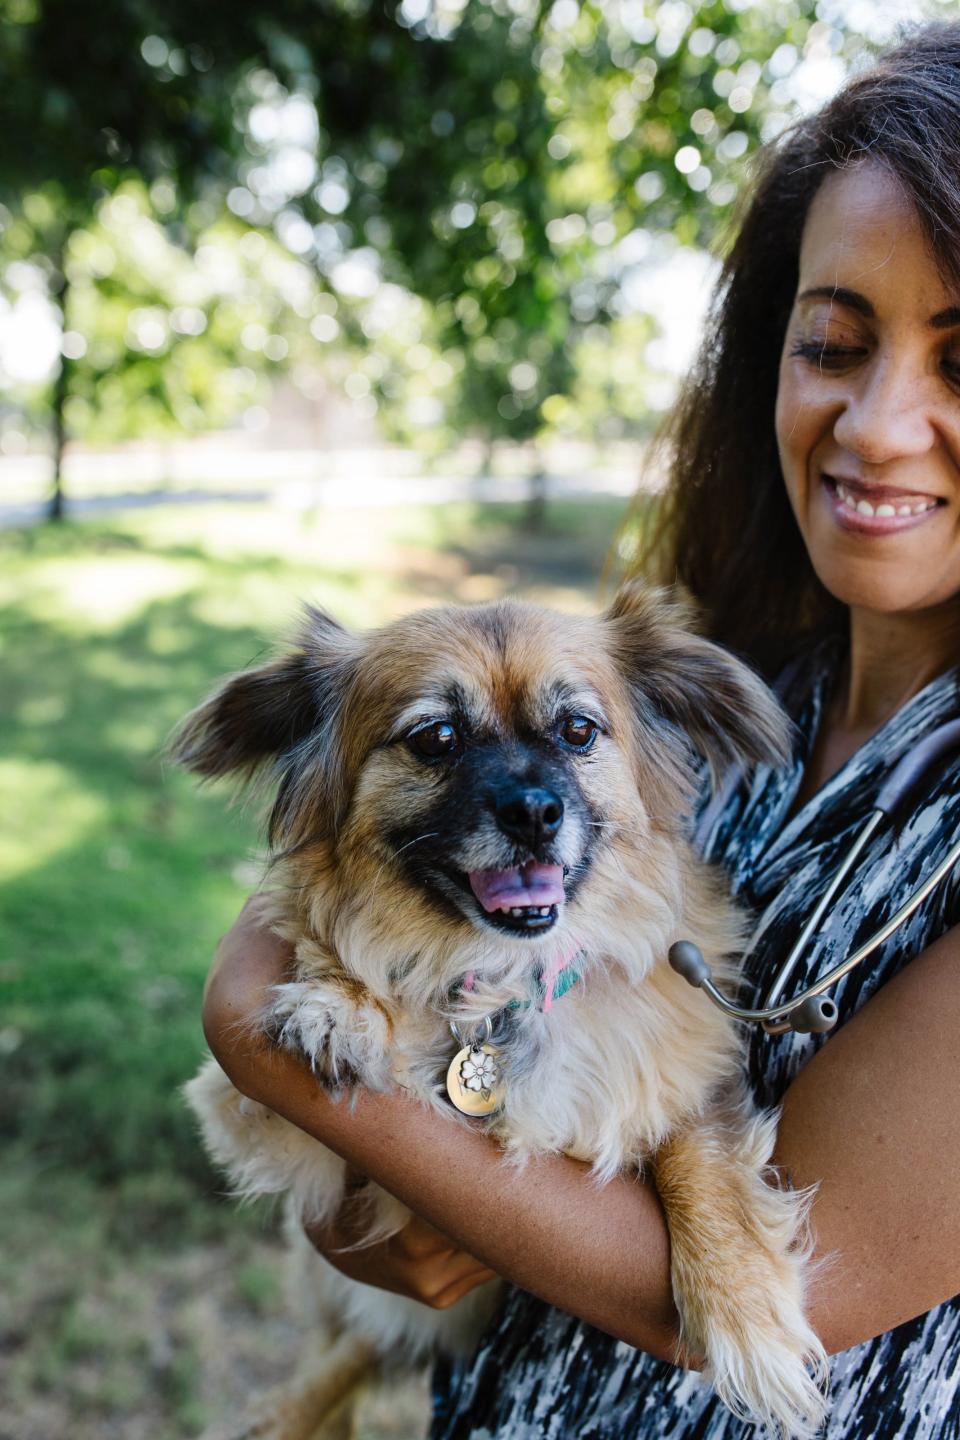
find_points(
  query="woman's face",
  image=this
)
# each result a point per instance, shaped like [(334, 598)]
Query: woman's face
[(868, 406)]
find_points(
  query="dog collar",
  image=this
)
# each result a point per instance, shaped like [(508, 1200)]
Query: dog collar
[(474, 1076), (552, 982), (563, 981)]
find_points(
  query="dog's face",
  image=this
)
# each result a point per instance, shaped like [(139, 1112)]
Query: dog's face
[(471, 765), (489, 765)]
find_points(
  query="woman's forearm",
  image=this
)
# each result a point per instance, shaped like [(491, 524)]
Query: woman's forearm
[(873, 1122), (612, 1263), (612, 1266)]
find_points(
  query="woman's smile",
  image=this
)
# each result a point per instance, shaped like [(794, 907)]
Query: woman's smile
[(866, 508), (868, 413)]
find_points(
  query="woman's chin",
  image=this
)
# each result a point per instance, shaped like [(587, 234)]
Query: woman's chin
[(884, 589), (896, 575)]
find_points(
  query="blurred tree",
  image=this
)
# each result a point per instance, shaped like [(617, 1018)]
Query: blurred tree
[(505, 160), (84, 108)]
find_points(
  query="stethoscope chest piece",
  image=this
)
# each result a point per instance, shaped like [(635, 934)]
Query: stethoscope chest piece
[(811, 1014)]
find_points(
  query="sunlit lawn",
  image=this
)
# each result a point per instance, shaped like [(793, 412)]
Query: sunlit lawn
[(116, 878)]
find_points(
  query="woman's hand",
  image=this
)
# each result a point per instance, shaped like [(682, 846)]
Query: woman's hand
[(419, 1261), (250, 959)]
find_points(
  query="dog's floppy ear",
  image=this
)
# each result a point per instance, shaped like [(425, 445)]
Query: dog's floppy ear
[(708, 694), (282, 714)]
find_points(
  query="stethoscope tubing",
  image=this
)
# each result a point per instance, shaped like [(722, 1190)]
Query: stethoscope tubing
[(877, 939), (806, 1012), (873, 823)]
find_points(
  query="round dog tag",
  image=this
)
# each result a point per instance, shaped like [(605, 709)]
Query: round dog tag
[(473, 1080)]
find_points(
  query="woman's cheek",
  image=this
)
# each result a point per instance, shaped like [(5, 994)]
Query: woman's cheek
[(794, 413)]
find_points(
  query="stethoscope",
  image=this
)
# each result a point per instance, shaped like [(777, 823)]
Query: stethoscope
[(812, 1011)]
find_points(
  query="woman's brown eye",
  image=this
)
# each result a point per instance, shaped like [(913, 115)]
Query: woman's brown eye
[(578, 732), (436, 741)]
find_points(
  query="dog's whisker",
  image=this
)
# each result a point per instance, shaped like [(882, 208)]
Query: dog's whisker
[(614, 825), (430, 835), (618, 862), (417, 840)]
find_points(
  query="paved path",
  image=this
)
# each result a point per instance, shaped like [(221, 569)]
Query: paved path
[(339, 493)]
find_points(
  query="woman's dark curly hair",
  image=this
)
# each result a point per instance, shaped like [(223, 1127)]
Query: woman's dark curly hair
[(726, 530)]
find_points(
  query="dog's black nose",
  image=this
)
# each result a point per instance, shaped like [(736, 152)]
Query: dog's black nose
[(529, 814)]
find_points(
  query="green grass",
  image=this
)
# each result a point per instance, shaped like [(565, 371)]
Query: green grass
[(134, 1300), (117, 874)]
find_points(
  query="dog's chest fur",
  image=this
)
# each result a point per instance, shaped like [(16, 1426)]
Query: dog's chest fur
[(603, 1074)]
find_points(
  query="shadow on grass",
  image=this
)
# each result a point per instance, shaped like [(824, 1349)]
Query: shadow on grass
[(106, 940), (127, 873), (568, 551)]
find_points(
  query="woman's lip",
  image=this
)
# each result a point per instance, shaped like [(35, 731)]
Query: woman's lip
[(852, 520), (878, 494)]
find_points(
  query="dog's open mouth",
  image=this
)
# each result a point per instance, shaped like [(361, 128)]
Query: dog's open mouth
[(524, 899)]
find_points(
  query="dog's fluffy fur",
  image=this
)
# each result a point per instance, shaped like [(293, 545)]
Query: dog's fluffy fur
[(373, 842)]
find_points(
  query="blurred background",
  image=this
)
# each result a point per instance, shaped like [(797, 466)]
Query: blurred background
[(368, 303)]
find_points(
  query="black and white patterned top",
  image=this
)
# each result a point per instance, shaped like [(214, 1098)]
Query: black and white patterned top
[(540, 1374)]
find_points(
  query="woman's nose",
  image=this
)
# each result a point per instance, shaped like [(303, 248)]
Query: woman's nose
[(887, 416)]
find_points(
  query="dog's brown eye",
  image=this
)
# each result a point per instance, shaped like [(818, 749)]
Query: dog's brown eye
[(436, 741), (578, 732)]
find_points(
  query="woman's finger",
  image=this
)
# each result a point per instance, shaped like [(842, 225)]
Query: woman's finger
[(438, 1279), (419, 1240), (470, 1281)]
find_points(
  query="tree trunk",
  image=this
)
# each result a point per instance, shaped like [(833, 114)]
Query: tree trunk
[(536, 511), (61, 390)]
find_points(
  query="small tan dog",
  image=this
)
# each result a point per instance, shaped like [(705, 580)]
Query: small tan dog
[(480, 822)]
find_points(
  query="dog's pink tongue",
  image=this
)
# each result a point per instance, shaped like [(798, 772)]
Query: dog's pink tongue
[(530, 884)]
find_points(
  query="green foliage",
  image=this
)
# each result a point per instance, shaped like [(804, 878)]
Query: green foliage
[(507, 163), (158, 331)]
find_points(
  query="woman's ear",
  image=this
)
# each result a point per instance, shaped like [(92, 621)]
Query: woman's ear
[(725, 710), (283, 715)]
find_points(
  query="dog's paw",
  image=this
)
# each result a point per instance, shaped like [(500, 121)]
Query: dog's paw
[(344, 1034), (258, 1150), (763, 1359), (740, 1247), (744, 1311)]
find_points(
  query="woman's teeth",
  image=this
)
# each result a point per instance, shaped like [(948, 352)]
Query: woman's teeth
[(863, 507)]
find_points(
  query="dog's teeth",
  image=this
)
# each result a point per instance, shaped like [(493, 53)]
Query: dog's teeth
[(526, 912)]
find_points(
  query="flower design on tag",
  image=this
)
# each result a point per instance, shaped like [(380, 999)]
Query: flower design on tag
[(479, 1071)]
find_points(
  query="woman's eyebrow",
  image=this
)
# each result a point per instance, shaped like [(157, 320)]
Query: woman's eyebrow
[(942, 320), (851, 298), (945, 318)]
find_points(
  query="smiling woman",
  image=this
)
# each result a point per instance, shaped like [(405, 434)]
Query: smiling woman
[(814, 513)]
